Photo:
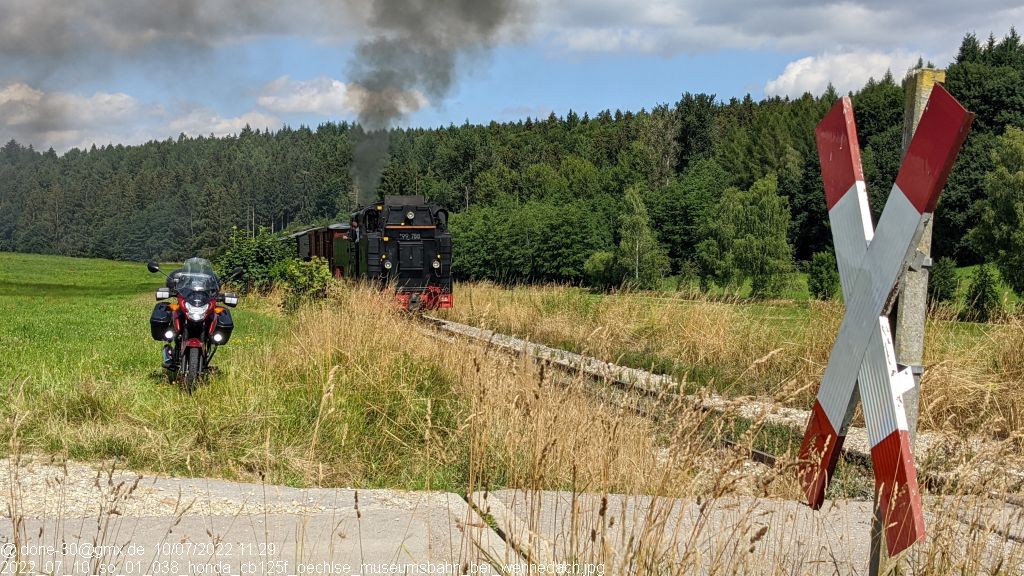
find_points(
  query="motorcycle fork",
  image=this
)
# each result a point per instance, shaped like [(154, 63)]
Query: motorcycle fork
[(193, 332)]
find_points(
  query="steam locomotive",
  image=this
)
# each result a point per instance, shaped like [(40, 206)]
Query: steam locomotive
[(403, 240)]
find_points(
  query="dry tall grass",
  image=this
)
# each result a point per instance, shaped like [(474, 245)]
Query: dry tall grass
[(358, 393), (630, 481), (975, 377)]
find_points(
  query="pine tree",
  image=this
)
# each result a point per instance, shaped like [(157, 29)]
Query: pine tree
[(982, 301), (695, 114), (823, 276), (942, 281)]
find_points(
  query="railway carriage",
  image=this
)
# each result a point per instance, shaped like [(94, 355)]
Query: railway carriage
[(402, 241)]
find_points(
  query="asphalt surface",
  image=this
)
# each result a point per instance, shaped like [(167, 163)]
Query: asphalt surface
[(85, 519)]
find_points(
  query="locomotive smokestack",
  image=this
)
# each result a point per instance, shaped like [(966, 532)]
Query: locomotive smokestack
[(412, 57)]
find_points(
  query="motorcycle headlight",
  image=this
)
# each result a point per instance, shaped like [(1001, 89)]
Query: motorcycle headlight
[(194, 312), (410, 214), (387, 264), (436, 264)]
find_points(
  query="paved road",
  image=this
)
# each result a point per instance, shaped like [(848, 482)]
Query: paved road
[(81, 519), (76, 519), (743, 535)]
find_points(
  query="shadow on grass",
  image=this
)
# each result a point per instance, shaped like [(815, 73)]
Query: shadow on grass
[(43, 289), (161, 377)]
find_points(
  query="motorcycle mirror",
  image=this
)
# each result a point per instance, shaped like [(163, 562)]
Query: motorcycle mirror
[(153, 266), (236, 273)]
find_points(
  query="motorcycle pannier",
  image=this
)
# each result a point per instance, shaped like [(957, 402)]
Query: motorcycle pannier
[(160, 321), (225, 325)]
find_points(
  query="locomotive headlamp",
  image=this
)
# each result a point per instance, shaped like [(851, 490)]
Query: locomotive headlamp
[(436, 264), (387, 264), (410, 214)]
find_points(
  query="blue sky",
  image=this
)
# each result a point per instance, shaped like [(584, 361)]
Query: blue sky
[(513, 81), (77, 72), (530, 80)]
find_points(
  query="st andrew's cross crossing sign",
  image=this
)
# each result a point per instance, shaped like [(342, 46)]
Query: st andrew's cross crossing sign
[(862, 362)]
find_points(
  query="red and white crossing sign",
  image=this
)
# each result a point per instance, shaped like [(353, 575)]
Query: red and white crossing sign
[(863, 362)]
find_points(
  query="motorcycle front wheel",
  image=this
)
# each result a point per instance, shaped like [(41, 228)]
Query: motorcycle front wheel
[(191, 367)]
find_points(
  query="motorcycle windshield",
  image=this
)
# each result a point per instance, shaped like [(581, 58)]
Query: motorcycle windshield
[(197, 278)]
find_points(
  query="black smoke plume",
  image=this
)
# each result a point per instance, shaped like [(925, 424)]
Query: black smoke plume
[(62, 32), (416, 51)]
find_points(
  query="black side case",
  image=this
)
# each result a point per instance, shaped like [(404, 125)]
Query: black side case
[(160, 321), (225, 325)]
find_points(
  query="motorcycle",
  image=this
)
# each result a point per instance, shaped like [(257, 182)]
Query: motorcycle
[(192, 318)]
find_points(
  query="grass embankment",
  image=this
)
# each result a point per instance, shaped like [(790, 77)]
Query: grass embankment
[(346, 392), (777, 349), (309, 399)]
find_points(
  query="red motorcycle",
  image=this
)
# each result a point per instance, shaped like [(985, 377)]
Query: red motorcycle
[(192, 318)]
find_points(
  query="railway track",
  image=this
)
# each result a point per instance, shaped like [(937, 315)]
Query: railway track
[(658, 388), (654, 389), (661, 388)]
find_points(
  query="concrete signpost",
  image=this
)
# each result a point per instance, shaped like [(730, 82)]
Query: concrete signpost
[(908, 318), (862, 364)]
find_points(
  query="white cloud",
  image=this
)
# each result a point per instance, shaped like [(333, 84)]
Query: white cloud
[(849, 40), (608, 40), (520, 112), (64, 120), (23, 105), (204, 122), (19, 103), (846, 71), (322, 95), (662, 27), (326, 97), (695, 26)]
